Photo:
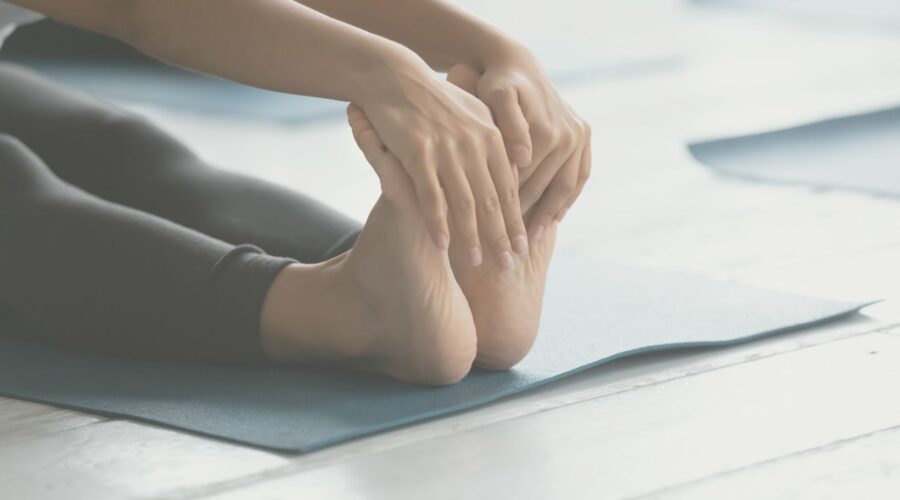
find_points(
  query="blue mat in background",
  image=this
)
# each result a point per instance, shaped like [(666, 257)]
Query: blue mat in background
[(881, 14), (178, 89), (593, 314), (859, 152)]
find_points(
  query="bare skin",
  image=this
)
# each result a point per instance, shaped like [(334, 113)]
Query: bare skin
[(379, 54), (505, 301), (390, 305), (464, 166), (506, 305)]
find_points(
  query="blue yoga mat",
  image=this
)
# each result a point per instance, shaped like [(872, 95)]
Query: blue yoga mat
[(593, 314), (869, 13), (860, 152)]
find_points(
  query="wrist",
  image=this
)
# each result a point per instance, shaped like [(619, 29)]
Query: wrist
[(386, 72)]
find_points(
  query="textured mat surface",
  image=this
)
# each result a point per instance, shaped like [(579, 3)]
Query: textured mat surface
[(593, 314), (859, 152)]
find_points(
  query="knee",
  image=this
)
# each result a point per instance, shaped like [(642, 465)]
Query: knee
[(21, 171), (133, 145)]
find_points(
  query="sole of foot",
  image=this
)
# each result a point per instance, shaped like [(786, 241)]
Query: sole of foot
[(389, 305), (506, 304)]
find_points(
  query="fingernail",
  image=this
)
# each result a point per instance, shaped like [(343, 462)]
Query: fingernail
[(537, 232), (521, 155), (474, 256), (506, 261), (520, 244), (443, 242)]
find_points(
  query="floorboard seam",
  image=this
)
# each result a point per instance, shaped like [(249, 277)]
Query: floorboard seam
[(815, 449), (295, 468)]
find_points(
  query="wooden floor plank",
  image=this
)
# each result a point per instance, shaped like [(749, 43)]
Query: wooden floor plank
[(22, 420), (119, 460), (620, 376), (864, 467), (639, 441)]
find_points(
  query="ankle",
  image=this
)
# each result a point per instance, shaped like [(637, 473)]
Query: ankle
[(308, 315)]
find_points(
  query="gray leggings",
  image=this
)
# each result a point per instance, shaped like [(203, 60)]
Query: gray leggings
[(114, 237)]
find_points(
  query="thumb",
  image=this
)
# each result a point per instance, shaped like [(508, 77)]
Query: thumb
[(394, 181)]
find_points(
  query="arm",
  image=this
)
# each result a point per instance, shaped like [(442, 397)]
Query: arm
[(542, 135), (274, 44), (444, 137), (443, 34)]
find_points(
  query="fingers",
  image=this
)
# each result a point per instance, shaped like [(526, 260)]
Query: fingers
[(532, 190), (584, 174), (508, 115), (505, 181), (394, 179), (489, 213), (431, 197), (482, 199), (504, 105), (461, 203), (558, 192)]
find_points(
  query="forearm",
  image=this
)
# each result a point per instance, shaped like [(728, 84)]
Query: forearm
[(274, 44), (440, 32)]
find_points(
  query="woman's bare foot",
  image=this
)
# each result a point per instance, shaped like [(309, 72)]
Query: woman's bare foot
[(390, 305), (505, 303)]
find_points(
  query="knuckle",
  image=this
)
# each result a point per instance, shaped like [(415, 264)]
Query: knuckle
[(465, 206), (554, 136), (542, 129), (467, 145), (491, 204), (491, 135), (567, 140), (498, 92), (422, 151), (511, 196)]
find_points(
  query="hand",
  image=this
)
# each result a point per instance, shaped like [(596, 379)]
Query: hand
[(544, 138), (452, 151)]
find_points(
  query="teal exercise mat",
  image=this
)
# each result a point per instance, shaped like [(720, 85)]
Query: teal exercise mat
[(102, 66), (594, 313), (874, 13), (859, 152)]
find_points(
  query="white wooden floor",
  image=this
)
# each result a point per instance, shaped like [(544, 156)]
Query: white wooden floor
[(812, 414)]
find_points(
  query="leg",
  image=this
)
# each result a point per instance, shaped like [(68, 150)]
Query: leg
[(90, 273), (123, 158)]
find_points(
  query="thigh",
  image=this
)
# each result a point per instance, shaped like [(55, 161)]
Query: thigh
[(94, 274), (86, 141), (124, 158)]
